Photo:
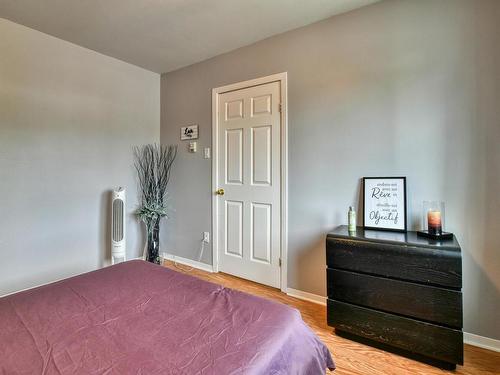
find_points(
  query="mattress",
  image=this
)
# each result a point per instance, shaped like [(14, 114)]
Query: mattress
[(141, 318)]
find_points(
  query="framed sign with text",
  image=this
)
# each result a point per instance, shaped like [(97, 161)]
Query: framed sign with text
[(189, 132), (384, 203)]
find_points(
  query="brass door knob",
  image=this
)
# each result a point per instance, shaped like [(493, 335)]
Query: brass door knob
[(219, 191)]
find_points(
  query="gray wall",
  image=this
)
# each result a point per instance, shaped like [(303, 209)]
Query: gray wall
[(68, 119), (396, 88)]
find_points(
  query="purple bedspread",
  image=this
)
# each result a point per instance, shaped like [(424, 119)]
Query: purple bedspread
[(139, 318)]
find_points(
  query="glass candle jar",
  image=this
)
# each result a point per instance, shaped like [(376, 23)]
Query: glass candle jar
[(433, 217)]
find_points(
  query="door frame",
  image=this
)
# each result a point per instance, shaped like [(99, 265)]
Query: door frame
[(282, 78)]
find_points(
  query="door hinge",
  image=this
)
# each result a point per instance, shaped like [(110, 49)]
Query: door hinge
[(279, 262), (281, 108)]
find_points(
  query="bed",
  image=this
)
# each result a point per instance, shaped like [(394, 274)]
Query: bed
[(141, 318)]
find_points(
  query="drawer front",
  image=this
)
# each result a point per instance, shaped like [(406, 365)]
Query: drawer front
[(427, 339), (424, 265), (438, 305)]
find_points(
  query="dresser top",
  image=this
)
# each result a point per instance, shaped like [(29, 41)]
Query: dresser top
[(399, 238)]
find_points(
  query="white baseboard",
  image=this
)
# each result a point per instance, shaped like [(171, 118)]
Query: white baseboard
[(188, 262), (482, 342), (36, 286), (106, 263), (306, 296)]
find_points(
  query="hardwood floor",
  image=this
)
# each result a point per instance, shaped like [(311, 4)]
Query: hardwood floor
[(352, 357)]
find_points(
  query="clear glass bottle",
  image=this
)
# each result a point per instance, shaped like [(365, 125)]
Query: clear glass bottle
[(351, 220)]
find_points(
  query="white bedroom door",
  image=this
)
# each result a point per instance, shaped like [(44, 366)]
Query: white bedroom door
[(249, 221)]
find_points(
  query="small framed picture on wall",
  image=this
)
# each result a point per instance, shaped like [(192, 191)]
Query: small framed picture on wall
[(384, 203)]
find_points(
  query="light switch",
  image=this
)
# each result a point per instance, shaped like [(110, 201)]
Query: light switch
[(192, 146), (206, 152)]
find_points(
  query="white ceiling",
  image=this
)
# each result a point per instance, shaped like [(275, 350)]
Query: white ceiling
[(164, 35)]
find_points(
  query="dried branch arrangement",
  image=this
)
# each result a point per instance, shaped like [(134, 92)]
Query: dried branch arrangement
[(153, 164)]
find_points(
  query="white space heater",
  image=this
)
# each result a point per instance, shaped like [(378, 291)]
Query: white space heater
[(118, 233)]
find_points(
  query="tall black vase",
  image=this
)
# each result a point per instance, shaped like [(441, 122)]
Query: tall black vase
[(153, 244)]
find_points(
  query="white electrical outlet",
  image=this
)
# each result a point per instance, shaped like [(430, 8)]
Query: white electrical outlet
[(206, 237)]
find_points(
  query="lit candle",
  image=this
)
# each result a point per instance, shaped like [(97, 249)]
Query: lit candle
[(434, 222)]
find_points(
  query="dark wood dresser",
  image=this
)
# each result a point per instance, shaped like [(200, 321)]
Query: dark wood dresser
[(397, 291)]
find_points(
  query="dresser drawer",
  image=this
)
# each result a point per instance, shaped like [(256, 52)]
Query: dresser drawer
[(419, 264), (432, 304), (437, 342)]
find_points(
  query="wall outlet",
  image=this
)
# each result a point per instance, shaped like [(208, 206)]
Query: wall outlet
[(206, 237)]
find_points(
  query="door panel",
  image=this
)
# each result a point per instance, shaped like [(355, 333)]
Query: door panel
[(261, 231), (234, 228), (234, 110), (261, 155), (234, 156), (261, 105), (249, 157)]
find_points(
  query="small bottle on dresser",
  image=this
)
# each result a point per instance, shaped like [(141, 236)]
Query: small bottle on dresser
[(351, 220)]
